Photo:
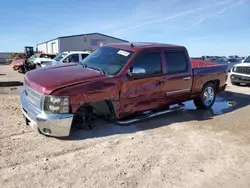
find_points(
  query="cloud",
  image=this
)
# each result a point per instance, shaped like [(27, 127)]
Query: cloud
[(187, 12), (227, 7), (215, 14), (217, 35), (142, 12), (195, 24), (198, 38)]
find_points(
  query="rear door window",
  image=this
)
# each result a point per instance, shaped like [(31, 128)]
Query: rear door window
[(176, 62)]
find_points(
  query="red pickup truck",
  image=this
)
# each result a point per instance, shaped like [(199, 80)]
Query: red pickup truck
[(118, 82)]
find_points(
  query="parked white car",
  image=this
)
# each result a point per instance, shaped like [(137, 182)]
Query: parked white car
[(39, 60), (43, 62), (71, 56), (64, 57), (240, 73)]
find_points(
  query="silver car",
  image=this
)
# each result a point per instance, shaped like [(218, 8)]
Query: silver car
[(230, 62)]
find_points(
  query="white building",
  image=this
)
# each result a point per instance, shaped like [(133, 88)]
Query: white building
[(84, 42)]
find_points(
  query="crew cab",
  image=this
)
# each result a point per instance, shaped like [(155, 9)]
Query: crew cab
[(118, 82), (240, 73)]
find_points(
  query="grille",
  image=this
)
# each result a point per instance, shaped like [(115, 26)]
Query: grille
[(33, 97), (243, 70)]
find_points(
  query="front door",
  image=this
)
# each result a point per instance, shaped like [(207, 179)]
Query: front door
[(178, 83), (143, 91)]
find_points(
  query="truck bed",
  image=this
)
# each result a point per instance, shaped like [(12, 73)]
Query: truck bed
[(201, 63), (204, 71), (206, 67)]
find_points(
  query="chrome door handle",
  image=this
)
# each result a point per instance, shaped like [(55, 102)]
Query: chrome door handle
[(186, 78)]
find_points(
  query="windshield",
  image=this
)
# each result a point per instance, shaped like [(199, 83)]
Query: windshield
[(60, 56), (247, 60), (107, 59)]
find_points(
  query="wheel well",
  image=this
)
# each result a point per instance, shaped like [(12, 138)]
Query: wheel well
[(215, 82), (103, 108)]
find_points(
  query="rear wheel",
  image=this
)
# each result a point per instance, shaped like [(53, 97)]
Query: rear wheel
[(207, 97)]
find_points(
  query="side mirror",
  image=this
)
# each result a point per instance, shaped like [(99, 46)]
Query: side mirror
[(136, 71)]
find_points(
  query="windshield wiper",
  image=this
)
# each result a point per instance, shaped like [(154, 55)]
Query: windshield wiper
[(94, 68)]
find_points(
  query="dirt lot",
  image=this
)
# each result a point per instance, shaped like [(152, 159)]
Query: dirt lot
[(191, 148)]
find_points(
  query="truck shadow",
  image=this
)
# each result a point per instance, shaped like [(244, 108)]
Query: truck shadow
[(10, 84), (226, 102)]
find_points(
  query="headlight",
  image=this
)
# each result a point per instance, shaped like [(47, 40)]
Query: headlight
[(56, 105), (234, 69)]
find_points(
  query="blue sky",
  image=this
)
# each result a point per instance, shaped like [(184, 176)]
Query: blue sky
[(205, 27)]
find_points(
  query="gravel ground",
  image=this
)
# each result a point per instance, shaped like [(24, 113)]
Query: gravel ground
[(191, 148)]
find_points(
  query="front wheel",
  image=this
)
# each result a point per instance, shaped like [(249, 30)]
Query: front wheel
[(207, 97)]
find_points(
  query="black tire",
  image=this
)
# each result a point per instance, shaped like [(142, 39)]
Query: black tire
[(203, 103)]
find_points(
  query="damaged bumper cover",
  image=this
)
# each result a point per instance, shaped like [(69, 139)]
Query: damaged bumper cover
[(57, 125)]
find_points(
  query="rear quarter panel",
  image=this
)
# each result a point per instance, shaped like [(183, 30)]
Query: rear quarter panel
[(202, 75)]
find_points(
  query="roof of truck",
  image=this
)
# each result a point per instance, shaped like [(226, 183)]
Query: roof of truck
[(137, 46)]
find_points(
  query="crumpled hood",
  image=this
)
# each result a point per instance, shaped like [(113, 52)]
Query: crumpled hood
[(242, 65), (46, 80)]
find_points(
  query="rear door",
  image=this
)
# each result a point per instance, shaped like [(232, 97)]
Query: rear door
[(178, 76)]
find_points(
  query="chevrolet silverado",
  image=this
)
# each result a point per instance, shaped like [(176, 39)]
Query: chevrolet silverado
[(122, 82)]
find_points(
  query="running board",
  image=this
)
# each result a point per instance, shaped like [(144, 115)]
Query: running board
[(149, 114)]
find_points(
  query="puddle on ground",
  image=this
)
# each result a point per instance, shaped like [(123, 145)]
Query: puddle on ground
[(11, 90), (220, 106)]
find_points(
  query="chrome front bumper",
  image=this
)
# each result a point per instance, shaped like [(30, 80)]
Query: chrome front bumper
[(57, 125)]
